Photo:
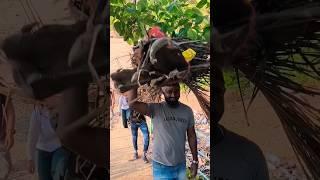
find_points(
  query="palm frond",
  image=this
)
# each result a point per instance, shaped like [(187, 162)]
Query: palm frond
[(283, 48)]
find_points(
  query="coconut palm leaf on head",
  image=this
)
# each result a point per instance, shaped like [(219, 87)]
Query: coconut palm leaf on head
[(273, 49)]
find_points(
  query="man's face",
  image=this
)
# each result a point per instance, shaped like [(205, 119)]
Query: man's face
[(171, 94)]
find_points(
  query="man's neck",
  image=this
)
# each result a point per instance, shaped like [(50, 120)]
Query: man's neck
[(173, 105)]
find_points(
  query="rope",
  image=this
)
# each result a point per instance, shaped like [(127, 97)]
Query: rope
[(139, 74), (34, 12), (25, 11), (94, 73)]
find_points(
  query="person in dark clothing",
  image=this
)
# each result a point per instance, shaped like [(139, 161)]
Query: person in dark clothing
[(236, 157), (139, 121)]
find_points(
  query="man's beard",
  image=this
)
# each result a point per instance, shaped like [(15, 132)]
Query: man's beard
[(172, 103)]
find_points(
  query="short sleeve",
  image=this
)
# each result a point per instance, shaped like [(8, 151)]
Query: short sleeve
[(191, 119), (151, 109)]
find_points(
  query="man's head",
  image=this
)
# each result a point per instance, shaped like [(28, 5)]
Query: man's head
[(171, 94)]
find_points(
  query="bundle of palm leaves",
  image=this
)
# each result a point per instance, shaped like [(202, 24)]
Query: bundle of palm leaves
[(273, 48), (159, 62)]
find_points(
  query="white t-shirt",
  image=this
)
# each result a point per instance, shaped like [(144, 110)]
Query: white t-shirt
[(123, 103), (41, 134)]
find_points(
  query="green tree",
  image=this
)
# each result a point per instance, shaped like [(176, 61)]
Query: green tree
[(179, 18)]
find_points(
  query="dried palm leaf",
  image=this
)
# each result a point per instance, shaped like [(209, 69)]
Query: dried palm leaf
[(283, 46)]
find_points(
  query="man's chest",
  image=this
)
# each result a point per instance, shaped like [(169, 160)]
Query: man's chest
[(172, 122), (229, 165)]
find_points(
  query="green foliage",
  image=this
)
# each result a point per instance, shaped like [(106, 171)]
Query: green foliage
[(231, 82), (189, 175), (179, 18), (184, 88)]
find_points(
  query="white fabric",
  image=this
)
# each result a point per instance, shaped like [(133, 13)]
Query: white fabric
[(123, 103), (41, 134)]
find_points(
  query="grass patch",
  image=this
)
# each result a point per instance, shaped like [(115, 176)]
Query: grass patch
[(189, 175)]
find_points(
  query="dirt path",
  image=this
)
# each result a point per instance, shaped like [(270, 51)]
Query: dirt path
[(122, 164), (265, 127)]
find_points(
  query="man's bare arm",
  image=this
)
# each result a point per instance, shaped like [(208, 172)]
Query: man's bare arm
[(140, 107), (11, 116), (192, 140), (74, 131)]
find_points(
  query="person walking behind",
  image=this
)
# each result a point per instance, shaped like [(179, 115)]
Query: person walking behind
[(124, 109), (139, 121), (52, 158)]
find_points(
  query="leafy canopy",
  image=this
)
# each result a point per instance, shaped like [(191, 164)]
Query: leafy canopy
[(178, 18)]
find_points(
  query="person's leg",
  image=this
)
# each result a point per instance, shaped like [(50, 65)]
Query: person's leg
[(44, 165), (134, 132), (128, 114), (124, 118), (59, 163), (182, 171), (145, 131)]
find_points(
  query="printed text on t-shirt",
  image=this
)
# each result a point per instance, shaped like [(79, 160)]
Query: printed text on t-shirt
[(171, 118)]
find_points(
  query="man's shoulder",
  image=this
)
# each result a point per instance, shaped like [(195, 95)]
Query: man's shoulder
[(240, 140), (244, 145), (240, 156), (186, 108)]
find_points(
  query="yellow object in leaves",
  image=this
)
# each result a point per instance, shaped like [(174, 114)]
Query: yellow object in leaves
[(189, 54)]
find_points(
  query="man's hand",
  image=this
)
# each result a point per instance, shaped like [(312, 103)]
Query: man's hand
[(9, 141), (192, 139), (194, 170), (122, 79), (31, 166)]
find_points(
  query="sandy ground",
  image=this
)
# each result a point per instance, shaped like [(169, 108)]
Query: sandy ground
[(265, 128)]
